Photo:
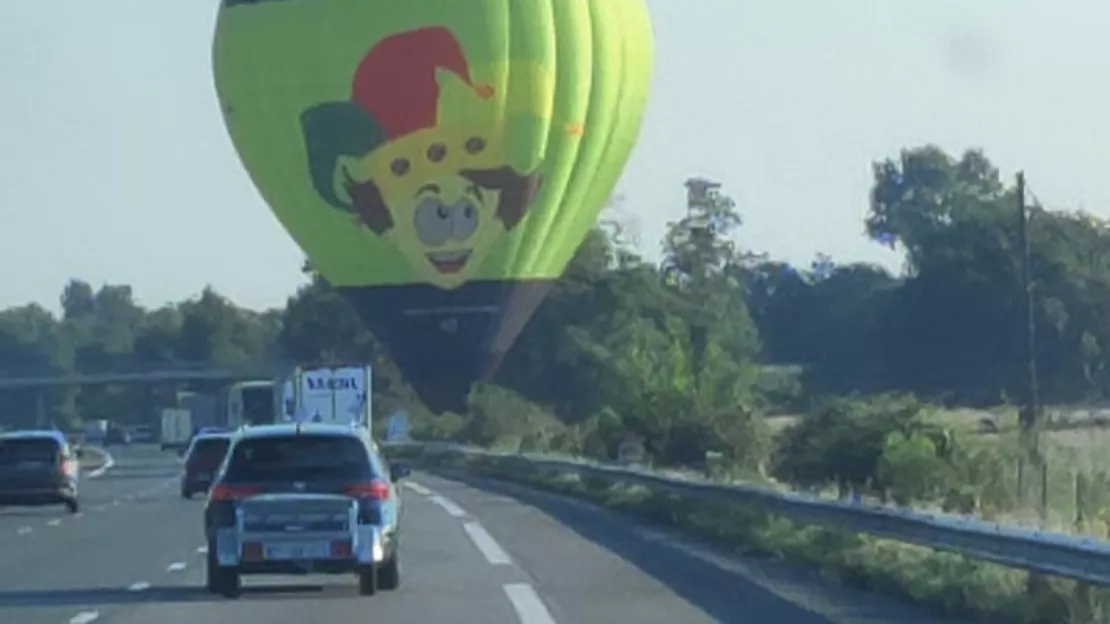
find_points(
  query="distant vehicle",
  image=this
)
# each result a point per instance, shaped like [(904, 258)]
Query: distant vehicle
[(399, 428), (117, 435), (252, 403), (177, 428), (142, 433), (96, 430), (202, 460), (38, 468), (284, 501), (339, 395)]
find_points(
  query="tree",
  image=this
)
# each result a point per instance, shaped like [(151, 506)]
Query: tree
[(687, 353)]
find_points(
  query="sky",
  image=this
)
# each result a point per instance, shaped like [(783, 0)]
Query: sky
[(115, 166)]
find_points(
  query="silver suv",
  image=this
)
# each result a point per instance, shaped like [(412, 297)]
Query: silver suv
[(304, 498)]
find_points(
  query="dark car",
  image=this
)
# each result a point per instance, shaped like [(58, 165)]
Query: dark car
[(202, 460), (117, 435), (304, 499), (38, 468)]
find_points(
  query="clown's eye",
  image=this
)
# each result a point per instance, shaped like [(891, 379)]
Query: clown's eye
[(465, 221), (432, 222)]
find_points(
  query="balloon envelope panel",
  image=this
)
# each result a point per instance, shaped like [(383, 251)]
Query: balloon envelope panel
[(439, 162)]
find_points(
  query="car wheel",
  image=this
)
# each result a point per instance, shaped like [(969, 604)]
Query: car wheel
[(368, 581), (186, 494), (72, 505), (222, 580), (389, 573)]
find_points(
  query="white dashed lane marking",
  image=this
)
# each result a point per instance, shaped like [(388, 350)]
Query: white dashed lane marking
[(84, 617), (419, 489), (448, 505), (527, 604), (176, 566), (485, 544)]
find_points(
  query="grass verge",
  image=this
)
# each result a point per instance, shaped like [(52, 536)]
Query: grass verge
[(953, 584)]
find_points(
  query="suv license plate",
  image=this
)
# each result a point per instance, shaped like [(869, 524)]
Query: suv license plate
[(295, 551)]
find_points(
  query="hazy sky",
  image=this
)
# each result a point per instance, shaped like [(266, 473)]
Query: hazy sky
[(115, 166)]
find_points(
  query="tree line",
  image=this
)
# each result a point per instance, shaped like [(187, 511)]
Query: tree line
[(687, 354)]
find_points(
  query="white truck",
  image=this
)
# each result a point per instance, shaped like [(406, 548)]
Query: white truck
[(96, 431), (177, 428), (341, 395)]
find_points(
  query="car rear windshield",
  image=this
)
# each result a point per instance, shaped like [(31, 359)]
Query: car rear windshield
[(295, 457), (18, 451), (209, 449)]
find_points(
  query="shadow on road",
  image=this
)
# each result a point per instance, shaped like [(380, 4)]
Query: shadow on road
[(44, 512), (107, 596)]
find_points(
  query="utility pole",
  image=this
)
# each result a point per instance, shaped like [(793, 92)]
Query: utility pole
[(1031, 410)]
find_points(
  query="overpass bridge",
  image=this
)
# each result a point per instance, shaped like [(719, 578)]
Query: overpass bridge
[(146, 374)]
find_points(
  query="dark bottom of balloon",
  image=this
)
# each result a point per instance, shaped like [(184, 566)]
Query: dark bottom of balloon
[(445, 340)]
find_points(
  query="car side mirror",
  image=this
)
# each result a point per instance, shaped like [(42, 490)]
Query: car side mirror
[(398, 471)]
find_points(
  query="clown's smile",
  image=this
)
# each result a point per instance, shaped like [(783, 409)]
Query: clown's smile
[(448, 261)]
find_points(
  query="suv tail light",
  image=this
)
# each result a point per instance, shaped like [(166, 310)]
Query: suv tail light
[(225, 492), (376, 490), (67, 465)]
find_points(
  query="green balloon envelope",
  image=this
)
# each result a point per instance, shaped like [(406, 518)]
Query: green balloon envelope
[(439, 162)]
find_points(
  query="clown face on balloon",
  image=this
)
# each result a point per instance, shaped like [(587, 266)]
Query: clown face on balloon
[(438, 162), (438, 187)]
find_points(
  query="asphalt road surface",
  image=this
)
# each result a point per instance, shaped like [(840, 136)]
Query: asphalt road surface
[(473, 552)]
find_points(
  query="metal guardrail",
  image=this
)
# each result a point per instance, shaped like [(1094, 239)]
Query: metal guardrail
[(1071, 556)]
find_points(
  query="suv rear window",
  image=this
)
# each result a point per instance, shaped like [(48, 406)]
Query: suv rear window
[(285, 458), (208, 449), (13, 452)]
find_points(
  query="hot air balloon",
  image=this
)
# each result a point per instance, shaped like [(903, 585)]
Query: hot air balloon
[(438, 162)]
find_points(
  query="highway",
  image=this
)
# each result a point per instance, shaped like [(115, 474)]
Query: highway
[(474, 552)]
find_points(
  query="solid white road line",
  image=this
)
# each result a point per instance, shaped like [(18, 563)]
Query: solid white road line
[(84, 617), (109, 461), (485, 544), (448, 505), (527, 604)]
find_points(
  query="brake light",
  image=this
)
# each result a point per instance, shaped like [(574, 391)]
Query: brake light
[(225, 492), (377, 490)]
